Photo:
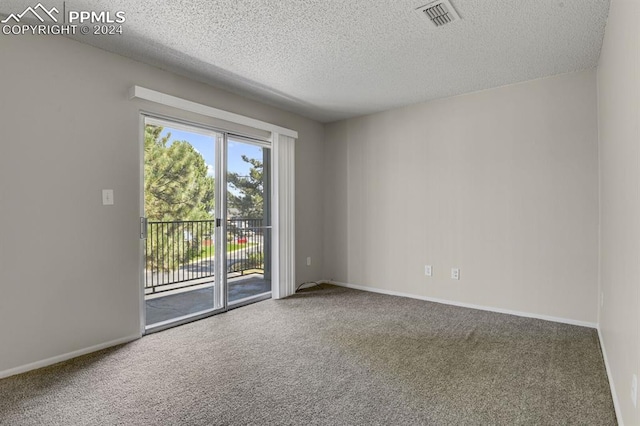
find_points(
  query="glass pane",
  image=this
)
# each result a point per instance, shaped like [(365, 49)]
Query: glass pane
[(248, 220), (179, 196)]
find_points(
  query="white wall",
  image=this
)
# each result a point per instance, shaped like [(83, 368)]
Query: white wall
[(619, 128), (68, 265), (501, 183)]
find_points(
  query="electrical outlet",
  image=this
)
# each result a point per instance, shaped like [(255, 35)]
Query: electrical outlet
[(634, 390), (455, 273), (427, 270), (309, 261)]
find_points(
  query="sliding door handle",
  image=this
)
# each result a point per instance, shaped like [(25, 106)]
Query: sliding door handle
[(143, 228)]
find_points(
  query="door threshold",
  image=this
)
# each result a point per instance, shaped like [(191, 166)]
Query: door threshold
[(175, 322), (248, 300)]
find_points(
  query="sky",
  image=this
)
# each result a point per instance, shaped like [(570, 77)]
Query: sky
[(205, 145)]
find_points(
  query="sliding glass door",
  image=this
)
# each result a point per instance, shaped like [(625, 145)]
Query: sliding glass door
[(206, 221), (248, 220)]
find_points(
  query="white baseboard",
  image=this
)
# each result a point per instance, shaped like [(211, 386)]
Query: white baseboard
[(465, 305), (614, 395), (64, 357)]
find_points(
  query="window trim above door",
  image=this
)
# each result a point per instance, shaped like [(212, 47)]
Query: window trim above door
[(138, 92)]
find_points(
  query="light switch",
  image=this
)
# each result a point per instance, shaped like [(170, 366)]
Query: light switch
[(107, 197)]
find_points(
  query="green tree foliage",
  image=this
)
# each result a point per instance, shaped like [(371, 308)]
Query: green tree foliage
[(249, 203), (177, 188)]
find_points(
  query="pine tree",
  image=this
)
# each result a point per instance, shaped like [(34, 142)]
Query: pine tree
[(249, 203), (176, 188)]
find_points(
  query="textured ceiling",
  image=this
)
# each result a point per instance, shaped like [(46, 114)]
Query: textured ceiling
[(334, 59)]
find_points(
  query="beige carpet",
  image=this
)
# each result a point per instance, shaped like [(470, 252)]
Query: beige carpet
[(329, 356)]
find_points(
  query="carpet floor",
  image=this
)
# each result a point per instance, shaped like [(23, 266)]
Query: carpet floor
[(329, 356)]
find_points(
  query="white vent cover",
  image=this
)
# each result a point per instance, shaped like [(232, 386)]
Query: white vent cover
[(439, 12)]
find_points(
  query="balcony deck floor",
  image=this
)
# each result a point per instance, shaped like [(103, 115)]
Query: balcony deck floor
[(172, 306)]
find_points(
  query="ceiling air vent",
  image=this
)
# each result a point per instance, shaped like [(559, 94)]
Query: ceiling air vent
[(439, 12)]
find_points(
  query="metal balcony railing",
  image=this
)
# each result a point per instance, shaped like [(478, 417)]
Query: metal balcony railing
[(181, 254)]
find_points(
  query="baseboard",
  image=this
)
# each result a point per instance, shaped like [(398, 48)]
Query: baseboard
[(614, 395), (64, 357), (464, 305)]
